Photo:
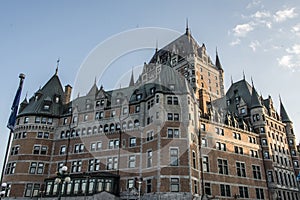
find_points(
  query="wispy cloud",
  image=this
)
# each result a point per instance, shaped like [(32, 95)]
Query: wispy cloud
[(296, 29), (283, 15), (261, 14), (292, 59), (241, 30), (254, 44), (285, 61), (254, 3), (294, 50), (235, 42)]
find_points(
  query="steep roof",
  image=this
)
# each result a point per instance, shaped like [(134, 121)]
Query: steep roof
[(283, 114), (255, 102), (46, 95)]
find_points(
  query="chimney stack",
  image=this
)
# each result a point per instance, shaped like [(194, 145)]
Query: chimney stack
[(67, 95)]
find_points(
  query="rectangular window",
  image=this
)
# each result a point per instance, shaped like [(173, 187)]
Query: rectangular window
[(32, 168), (131, 163), (207, 188), (99, 146), (36, 149), (169, 100), (150, 135), (130, 183), (112, 163), (62, 150), (43, 150), (76, 166), (174, 157), (202, 127), (173, 133), (132, 142), (26, 120), (28, 190), (259, 193), (176, 117), (149, 158), (94, 165), (240, 169), (149, 186), (170, 116), (174, 184), (225, 190), (10, 168), (243, 191), (222, 166), (256, 172), (79, 148), (205, 164), (15, 150)]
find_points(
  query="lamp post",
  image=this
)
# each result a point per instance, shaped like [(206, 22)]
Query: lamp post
[(62, 177), (139, 181), (3, 190)]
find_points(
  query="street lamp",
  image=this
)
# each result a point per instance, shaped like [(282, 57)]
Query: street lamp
[(139, 181), (3, 190), (62, 177)]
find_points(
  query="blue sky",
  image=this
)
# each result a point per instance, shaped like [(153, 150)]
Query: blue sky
[(260, 38)]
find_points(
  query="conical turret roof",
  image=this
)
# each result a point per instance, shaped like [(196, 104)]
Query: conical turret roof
[(283, 114)]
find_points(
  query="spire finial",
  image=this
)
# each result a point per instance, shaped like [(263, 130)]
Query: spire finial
[(187, 32), (95, 81), (156, 46), (57, 64), (231, 80), (280, 99), (216, 51), (252, 82), (243, 74)]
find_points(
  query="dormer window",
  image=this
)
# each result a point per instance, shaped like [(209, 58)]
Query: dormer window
[(152, 90), (36, 97), (97, 103), (56, 99), (138, 97), (46, 107), (118, 100), (172, 87), (102, 102)]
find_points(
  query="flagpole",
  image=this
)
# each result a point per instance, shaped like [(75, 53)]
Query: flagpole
[(11, 123), (6, 155)]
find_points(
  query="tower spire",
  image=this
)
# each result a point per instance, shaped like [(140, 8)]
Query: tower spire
[(57, 64), (187, 31), (131, 83)]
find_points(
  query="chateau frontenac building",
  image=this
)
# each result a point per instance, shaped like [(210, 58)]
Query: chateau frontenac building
[(174, 133)]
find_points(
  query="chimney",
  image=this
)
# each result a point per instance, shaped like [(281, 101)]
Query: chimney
[(67, 95)]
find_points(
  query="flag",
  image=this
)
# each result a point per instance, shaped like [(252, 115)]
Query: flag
[(14, 108)]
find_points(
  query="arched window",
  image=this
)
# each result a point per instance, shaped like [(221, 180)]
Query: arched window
[(130, 125), (89, 132), (62, 134), (124, 125), (118, 126), (136, 123), (112, 127), (95, 130), (83, 131), (106, 128), (100, 129)]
